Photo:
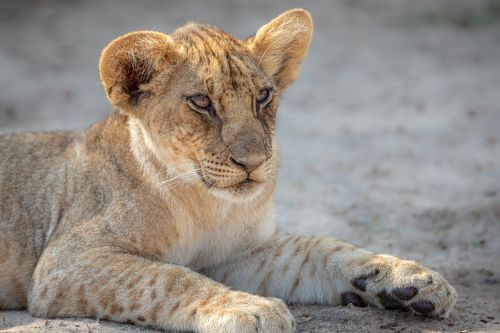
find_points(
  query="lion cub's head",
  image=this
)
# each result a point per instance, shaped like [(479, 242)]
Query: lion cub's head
[(204, 101)]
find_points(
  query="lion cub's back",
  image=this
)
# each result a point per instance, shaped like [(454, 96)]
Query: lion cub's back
[(29, 163)]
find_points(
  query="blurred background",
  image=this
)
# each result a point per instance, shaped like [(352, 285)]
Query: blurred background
[(389, 139)]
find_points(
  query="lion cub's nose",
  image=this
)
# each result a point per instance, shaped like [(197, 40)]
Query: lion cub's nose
[(249, 162)]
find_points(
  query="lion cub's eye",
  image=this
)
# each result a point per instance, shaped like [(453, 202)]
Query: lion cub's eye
[(201, 101), (263, 96)]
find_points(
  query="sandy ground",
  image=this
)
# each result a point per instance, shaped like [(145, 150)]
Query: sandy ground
[(390, 138)]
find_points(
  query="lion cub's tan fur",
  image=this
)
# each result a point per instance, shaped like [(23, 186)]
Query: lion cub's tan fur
[(136, 218)]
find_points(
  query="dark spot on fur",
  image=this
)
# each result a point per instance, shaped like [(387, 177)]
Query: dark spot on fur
[(389, 302), (134, 96), (352, 298), (424, 307), (405, 293), (360, 283)]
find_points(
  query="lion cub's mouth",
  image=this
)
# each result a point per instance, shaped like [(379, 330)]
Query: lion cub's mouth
[(247, 184), (244, 185)]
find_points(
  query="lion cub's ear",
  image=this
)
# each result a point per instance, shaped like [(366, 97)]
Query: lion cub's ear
[(130, 62), (282, 44)]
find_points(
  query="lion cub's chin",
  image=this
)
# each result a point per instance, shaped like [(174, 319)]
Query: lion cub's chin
[(239, 193)]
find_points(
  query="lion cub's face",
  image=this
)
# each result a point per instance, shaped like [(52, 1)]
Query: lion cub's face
[(206, 101)]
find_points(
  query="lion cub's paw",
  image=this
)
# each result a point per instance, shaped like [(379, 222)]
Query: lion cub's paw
[(247, 313), (393, 283)]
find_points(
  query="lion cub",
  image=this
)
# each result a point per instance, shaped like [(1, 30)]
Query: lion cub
[(162, 213)]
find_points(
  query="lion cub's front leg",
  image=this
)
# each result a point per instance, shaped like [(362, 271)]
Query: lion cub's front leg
[(328, 271), (127, 288)]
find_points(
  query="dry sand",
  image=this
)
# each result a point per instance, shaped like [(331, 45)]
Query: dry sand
[(389, 140)]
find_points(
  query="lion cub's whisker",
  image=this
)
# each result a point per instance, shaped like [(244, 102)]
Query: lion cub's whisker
[(188, 177)]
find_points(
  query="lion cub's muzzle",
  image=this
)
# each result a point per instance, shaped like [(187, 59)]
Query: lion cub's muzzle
[(244, 165), (244, 159)]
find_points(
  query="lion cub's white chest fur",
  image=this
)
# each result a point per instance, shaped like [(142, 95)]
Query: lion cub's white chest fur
[(209, 236)]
